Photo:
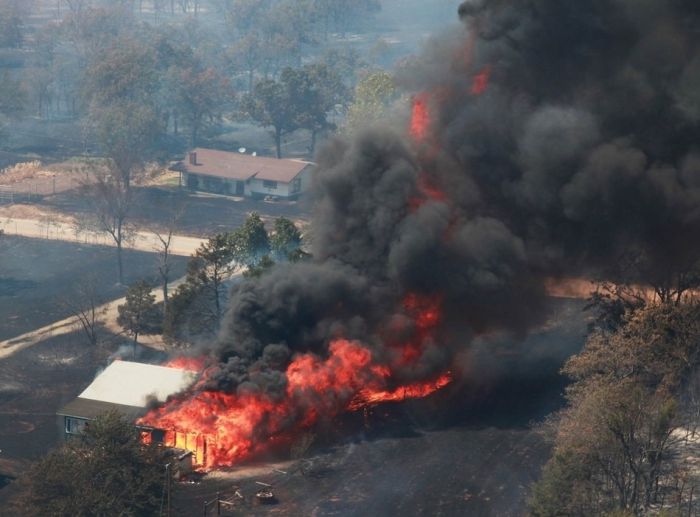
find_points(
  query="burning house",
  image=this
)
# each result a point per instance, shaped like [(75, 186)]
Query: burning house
[(129, 388), (237, 174)]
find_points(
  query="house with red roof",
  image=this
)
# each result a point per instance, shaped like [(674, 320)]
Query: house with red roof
[(238, 174)]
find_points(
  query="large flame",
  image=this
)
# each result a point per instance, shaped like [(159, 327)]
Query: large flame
[(222, 429)]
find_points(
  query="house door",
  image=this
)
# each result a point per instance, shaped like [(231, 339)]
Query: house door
[(240, 188)]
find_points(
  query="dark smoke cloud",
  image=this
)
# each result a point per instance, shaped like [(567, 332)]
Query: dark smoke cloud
[(582, 149)]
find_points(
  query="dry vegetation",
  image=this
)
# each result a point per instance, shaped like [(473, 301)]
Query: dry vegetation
[(627, 442)]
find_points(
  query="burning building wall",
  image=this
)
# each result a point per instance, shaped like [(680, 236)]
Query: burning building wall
[(129, 388), (546, 139)]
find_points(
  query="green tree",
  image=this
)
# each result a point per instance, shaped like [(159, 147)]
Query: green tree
[(250, 243), (201, 94), (104, 471), (285, 240), (212, 265), (137, 315), (198, 304), (373, 95), (316, 90), (263, 266), (271, 105), (300, 99)]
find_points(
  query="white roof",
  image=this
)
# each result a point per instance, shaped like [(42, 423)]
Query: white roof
[(131, 384)]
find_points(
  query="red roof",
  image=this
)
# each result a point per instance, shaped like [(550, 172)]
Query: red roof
[(238, 166)]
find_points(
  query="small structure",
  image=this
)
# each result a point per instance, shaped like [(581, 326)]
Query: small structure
[(125, 387), (265, 495), (237, 174)]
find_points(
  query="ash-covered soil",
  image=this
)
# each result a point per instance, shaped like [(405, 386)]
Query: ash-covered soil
[(203, 214), (34, 383), (36, 276), (458, 471)]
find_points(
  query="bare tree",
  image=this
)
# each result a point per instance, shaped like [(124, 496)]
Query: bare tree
[(173, 211), (85, 305), (111, 200)]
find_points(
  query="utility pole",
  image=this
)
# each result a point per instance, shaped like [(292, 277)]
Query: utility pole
[(169, 482)]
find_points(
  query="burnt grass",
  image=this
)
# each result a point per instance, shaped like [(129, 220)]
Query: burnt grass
[(203, 214), (37, 275)]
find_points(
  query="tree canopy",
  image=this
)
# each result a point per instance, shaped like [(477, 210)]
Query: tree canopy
[(104, 471), (137, 314), (615, 445), (300, 99), (373, 95), (198, 304), (285, 240)]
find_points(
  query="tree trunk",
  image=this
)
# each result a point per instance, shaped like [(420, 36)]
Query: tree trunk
[(120, 263), (217, 301), (278, 141), (118, 238), (313, 141), (194, 135), (165, 296)]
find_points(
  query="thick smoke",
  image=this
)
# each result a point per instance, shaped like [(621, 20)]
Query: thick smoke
[(580, 151)]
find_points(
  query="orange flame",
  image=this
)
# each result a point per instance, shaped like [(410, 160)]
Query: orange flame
[(223, 429), (191, 364), (410, 391), (481, 81), (420, 118)]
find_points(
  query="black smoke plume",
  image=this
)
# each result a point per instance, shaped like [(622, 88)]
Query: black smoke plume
[(581, 150)]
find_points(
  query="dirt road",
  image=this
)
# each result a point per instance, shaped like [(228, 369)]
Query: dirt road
[(141, 241), (107, 316)]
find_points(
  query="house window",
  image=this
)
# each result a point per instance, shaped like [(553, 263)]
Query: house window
[(74, 425), (192, 181), (272, 185), (296, 185)]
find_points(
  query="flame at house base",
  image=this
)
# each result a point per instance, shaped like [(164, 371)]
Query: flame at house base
[(224, 429)]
